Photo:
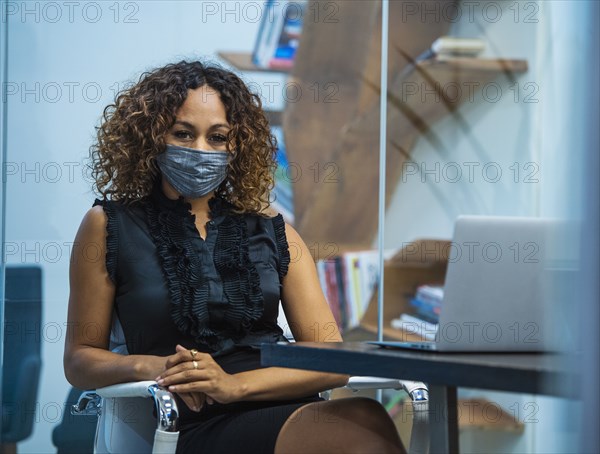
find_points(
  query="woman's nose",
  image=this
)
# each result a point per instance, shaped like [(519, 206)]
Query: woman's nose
[(201, 144)]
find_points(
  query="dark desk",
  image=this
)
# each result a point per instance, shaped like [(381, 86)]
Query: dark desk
[(532, 373)]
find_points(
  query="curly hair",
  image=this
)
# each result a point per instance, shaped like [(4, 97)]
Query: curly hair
[(132, 133)]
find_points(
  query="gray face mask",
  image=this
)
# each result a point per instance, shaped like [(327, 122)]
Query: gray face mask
[(193, 173)]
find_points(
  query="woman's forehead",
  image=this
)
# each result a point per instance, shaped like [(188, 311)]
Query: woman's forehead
[(201, 105)]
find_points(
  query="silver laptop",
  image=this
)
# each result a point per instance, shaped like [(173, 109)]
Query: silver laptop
[(507, 288)]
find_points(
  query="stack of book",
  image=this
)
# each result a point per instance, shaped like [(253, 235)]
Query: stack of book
[(423, 320), (348, 282), (279, 34), (448, 47)]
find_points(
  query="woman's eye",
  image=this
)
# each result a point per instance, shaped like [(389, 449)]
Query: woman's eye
[(218, 138), (181, 134)]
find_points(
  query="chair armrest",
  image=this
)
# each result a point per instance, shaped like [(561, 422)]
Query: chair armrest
[(88, 404), (132, 389), (166, 405), (415, 389)]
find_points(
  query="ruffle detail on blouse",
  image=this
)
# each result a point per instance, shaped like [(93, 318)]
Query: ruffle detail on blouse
[(282, 245), (182, 270), (168, 221), (241, 282), (112, 238)]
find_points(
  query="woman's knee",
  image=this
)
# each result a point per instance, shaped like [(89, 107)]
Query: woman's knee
[(354, 424), (360, 408)]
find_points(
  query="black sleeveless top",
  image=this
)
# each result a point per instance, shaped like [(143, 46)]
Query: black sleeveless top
[(219, 294)]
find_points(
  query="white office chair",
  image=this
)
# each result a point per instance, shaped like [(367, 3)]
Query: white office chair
[(127, 421), (141, 417)]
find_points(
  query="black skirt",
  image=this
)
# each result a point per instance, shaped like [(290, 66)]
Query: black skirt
[(240, 427)]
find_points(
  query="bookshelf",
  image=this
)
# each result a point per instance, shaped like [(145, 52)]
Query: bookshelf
[(336, 199), (243, 62)]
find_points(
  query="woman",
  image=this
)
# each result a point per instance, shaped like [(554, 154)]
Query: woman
[(194, 264)]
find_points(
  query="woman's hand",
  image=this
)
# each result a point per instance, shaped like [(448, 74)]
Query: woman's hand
[(194, 401), (150, 366), (200, 374)]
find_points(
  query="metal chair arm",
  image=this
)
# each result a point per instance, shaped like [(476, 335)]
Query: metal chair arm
[(90, 402), (415, 389)]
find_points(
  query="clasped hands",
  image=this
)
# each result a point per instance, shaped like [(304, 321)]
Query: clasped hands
[(197, 379)]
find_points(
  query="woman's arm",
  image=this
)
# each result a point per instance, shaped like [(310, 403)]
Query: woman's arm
[(310, 319), (87, 362)]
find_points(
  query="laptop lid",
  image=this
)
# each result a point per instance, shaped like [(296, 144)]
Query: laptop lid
[(505, 285)]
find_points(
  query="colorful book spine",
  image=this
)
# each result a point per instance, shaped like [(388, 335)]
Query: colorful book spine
[(332, 292), (426, 309), (339, 274), (289, 37), (279, 34)]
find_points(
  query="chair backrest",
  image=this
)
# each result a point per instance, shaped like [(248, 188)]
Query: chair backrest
[(22, 351)]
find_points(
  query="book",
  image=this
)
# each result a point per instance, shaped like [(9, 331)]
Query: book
[(426, 310), (348, 281), (434, 293), (263, 31), (352, 287), (465, 47), (415, 325), (447, 47), (339, 277), (279, 34), (289, 37), (331, 291)]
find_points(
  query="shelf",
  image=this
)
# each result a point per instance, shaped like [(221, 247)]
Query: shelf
[(470, 65), (452, 80), (243, 62), (484, 414), (473, 414)]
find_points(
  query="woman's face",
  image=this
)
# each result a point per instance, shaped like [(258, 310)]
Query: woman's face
[(200, 122)]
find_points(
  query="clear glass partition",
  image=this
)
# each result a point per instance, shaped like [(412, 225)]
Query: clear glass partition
[(480, 109)]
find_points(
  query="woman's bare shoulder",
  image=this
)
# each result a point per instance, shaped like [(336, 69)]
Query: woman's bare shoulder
[(94, 219)]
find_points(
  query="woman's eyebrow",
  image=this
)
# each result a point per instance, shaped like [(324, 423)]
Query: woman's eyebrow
[(186, 124), (220, 125), (191, 126)]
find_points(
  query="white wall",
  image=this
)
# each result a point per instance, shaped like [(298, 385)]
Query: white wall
[(49, 132)]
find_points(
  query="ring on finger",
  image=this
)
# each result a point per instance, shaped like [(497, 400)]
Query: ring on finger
[(195, 363), (193, 352)]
